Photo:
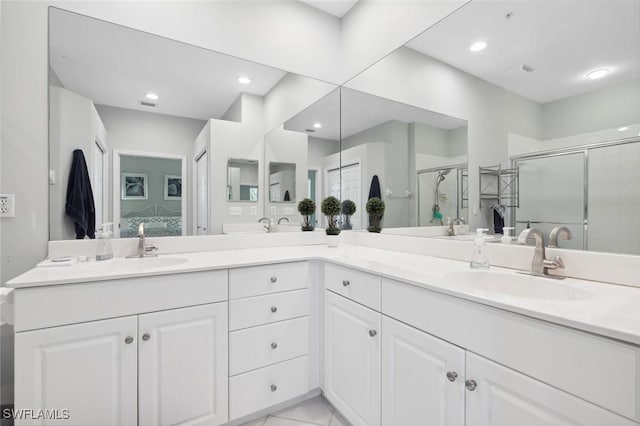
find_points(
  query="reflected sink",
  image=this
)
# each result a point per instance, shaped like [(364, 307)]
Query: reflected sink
[(136, 264), (517, 285)]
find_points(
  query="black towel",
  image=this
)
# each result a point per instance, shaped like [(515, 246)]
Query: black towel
[(374, 189), (498, 222), (79, 205), (287, 197)]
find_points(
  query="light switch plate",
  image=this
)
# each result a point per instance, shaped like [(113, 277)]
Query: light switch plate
[(254, 211), (7, 205), (235, 211)]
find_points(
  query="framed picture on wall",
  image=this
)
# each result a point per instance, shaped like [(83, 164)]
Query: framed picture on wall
[(172, 187), (134, 186)]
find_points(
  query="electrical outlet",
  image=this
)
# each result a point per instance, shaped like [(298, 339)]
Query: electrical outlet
[(7, 205), (274, 211), (235, 211)]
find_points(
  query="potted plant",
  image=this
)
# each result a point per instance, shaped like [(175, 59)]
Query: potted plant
[(348, 209), (375, 209), (331, 208), (307, 207)]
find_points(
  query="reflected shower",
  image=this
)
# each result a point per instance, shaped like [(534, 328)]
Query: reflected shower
[(436, 216)]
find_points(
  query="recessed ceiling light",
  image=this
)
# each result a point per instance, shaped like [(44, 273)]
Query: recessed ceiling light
[(596, 74), (317, 125), (622, 129), (244, 80), (152, 96), (478, 46)]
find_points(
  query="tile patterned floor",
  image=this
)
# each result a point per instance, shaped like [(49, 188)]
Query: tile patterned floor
[(313, 412)]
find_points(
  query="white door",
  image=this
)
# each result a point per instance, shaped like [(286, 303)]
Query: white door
[(422, 378), (202, 198), (352, 360), (503, 397), (89, 369), (351, 184), (97, 184), (183, 373)]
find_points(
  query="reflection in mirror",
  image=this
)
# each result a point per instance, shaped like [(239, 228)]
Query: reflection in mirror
[(417, 157), (538, 114), (113, 88), (309, 143), (282, 182), (242, 180)]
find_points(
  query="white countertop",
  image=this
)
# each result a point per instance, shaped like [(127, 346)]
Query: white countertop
[(612, 311)]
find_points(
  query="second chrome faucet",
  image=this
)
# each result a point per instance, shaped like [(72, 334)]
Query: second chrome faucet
[(540, 265)]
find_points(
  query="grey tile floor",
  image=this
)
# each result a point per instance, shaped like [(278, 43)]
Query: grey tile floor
[(313, 412)]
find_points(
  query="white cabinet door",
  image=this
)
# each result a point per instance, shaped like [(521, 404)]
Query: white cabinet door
[(88, 369), (183, 374), (352, 360), (504, 397), (422, 378)]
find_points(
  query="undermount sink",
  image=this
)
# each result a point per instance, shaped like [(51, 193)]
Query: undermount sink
[(138, 263), (517, 285)]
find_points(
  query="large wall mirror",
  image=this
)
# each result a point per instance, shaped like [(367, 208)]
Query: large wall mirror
[(164, 127), (550, 91)]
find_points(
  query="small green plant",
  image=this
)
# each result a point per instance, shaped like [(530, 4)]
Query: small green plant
[(375, 209), (348, 209), (331, 208), (307, 207)]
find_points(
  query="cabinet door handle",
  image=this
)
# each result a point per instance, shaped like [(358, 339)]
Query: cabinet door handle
[(274, 279), (274, 345), (372, 333), (452, 376), (274, 388), (128, 340), (274, 309), (471, 384), (345, 283), (146, 336)]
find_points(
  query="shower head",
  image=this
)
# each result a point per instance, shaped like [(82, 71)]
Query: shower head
[(442, 174)]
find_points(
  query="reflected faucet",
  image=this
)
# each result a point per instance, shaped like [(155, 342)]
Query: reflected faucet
[(540, 265), (144, 249), (283, 218), (559, 232), (268, 225)]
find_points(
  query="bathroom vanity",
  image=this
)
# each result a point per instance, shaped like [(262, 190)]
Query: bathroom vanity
[(388, 337)]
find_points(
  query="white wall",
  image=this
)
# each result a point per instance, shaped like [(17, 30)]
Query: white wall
[(319, 149)]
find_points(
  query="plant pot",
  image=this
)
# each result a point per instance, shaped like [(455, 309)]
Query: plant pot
[(374, 228), (332, 240), (308, 227), (347, 223), (332, 231)]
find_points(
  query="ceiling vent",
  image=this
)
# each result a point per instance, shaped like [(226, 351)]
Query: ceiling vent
[(310, 130), (149, 104), (516, 71)]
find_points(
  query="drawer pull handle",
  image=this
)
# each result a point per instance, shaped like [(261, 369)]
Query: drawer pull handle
[(452, 376), (471, 384), (274, 309), (372, 333), (274, 345), (274, 279), (345, 282), (274, 388), (128, 340), (146, 337)]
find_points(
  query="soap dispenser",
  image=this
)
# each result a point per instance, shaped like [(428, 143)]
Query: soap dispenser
[(507, 238), (105, 248), (479, 260)]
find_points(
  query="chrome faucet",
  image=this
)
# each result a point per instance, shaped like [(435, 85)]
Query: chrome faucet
[(144, 249), (268, 226), (559, 231), (283, 218), (540, 265)]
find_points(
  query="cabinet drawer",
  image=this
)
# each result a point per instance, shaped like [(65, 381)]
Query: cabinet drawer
[(257, 280), (259, 310), (603, 371), (259, 389), (356, 285), (268, 344)]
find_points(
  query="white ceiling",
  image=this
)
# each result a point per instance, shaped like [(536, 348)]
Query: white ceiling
[(561, 39), (337, 8), (362, 111), (116, 66)]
